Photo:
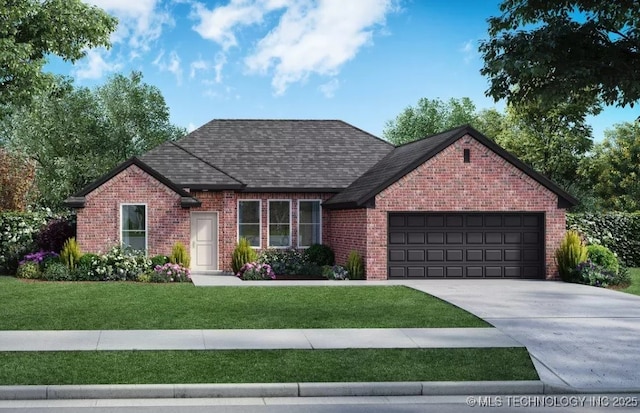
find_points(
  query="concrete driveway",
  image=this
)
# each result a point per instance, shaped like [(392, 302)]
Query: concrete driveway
[(580, 336)]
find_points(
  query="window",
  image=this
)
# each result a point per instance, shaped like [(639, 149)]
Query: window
[(249, 222), (309, 223), (279, 223), (133, 221)]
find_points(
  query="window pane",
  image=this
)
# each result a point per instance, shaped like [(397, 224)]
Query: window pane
[(309, 212), (251, 232), (309, 234), (279, 235), (134, 239), (133, 217), (249, 212), (279, 212)]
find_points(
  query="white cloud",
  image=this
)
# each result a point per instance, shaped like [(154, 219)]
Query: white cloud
[(191, 127), (468, 51), (198, 65), (94, 65), (311, 37), (140, 22), (329, 89), (204, 66), (172, 65)]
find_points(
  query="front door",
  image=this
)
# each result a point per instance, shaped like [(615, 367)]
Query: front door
[(204, 241)]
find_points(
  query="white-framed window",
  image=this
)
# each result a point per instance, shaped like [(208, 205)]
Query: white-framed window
[(279, 223), (309, 222), (133, 226), (249, 221)]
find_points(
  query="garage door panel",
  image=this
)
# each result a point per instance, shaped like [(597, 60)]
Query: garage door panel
[(397, 256), (415, 256), (397, 238), (435, 255), (435, 238), (454, 255), (466, 245), (416, 238), (415, 272)]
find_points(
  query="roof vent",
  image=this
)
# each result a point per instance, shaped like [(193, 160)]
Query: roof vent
[(467, 156)]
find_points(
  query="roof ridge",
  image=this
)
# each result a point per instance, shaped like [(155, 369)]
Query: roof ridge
[(205, 162), (460, 128), (367, 133)]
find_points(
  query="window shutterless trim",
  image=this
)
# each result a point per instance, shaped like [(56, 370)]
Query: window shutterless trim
[(259, 201), (269, 224), (319, 201), (146, 222)]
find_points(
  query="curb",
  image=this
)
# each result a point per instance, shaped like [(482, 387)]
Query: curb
[(259, 390), (230, 390)]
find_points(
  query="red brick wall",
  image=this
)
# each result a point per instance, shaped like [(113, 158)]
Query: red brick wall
[(446, 183), (99, 220), (348, 233)]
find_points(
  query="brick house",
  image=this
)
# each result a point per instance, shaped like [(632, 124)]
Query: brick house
[(453, 205)]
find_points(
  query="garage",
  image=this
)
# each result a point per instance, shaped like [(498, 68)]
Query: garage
[(465, 245)]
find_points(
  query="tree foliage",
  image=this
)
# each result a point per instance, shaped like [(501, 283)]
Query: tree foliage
[(16, 181), (428, 117), (31, 30), (76, 134), (581, 52), (614, 168)]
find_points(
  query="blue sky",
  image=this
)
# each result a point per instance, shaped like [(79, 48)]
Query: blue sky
[(362, 61)]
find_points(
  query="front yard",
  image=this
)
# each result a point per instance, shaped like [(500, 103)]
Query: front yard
[(634, 288), (126, 306)]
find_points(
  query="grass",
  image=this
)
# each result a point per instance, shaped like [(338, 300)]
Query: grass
[(634, 288), (119, 305), (265, 366)]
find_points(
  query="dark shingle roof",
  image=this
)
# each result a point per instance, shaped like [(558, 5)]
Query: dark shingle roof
[(404, 159), (272, 155)]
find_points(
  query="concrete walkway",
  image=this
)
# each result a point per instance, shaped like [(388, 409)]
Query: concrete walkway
[(90, 340)]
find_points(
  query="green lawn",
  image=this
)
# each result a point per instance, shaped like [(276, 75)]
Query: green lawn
[(119, 305), (265, 366), (634, 288)]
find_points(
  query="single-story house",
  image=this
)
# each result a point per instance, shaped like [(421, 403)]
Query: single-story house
[(452, 205)]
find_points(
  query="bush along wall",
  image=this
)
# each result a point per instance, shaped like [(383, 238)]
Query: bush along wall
[(619, 231)]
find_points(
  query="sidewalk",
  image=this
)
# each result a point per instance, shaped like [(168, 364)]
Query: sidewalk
[(309, 339)]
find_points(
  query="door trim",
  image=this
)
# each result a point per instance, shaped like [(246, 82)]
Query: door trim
[(216, 239)]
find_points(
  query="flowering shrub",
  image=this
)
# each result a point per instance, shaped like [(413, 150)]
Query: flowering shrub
[(121, 264), (336, 272), (284, 261), (256, 271), (170, 273), (591, 274), (29, 270), (38, 257), (17, 230)]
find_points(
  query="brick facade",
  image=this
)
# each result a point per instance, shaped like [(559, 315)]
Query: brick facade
[(446, 184), (442, 184)]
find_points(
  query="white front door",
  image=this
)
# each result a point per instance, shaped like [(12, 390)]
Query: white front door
[(204, 241)]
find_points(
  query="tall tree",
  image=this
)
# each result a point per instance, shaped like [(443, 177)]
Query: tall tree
[(16, 181), (614, 168), (31, 30), (428, 117), (582, 52), (75, 134)]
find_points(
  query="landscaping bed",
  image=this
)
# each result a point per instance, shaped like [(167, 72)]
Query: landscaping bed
[(265, 366)]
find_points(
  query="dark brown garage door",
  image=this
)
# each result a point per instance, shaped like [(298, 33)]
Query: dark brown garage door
[(469, 245)]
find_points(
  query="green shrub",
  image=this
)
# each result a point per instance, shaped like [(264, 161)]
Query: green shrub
[(618, 231), (592, 274), (336, 272), (320, 254), (47, 261), (122, 264), (179, 255), (159, 260), (622, 278), (287, 261), (17, 232), (571, 253), (70, 254), (604, 257), (29, 270), (85, 270), (242, 254), (57, 271), (311, 269), (355, 266)]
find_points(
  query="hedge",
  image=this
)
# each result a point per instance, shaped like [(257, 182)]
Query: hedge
[(619, 231)]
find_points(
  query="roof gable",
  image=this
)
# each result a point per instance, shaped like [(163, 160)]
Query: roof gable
[(404, 159), (77, 200)]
